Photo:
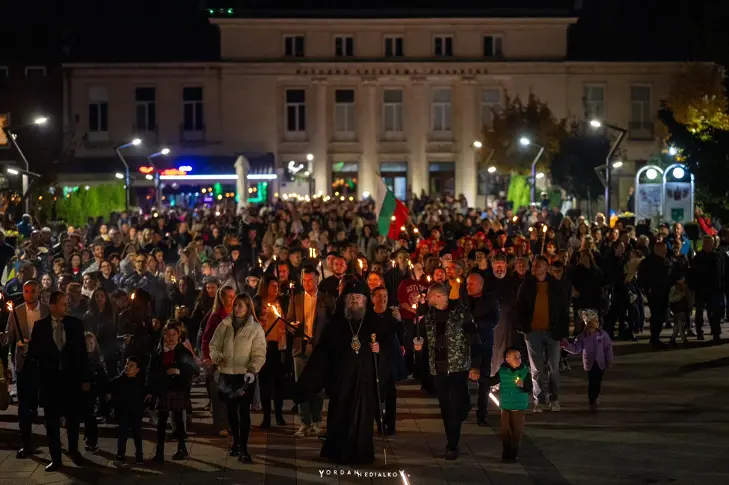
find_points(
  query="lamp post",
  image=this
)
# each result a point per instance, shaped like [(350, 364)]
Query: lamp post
[(527, 142), (608, 166), (25, 174), (150, 159), (13, 140), (127, 180)]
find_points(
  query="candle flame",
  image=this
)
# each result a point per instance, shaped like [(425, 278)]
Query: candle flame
[(531, 229), (515, 219), (545, 228), (10, 306), (393, 263), (415, 306), (415, 230), (361, 264), (428, 278), (458, 280), (291, 285), (403, 228), (133, 296)]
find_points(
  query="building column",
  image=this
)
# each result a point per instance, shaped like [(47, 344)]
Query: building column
[(466, 173), (320, 138), (418, 125), (369, 163)]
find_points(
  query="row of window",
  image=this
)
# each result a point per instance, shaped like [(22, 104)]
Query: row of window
[(345, 113), (145, 101), (393, 46)]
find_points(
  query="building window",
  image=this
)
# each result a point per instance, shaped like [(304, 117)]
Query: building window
[(443, 46), (145, 99), (641, 113), (441, 110), (394, 46), (192, 99), (295, 110), (344, 112), (294, 46), (98, 114), (594, 102), (392, 111), (490, 103), (344, 46), (493, 46)]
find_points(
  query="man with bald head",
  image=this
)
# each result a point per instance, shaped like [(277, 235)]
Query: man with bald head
[(484, 308)]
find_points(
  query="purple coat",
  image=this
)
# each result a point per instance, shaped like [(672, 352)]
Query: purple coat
[(595, 347)]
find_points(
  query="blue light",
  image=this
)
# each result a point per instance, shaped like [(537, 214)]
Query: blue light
[(185, 168)]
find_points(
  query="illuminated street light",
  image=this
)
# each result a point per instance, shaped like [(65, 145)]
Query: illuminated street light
[(540, 175), (12, 136), (527, 142), (42, 120), (12, 171), (119, 176), (595, 123), (608, 166), (157, 190), (310, 156), (492, 169), (617, 164), (477, 144)]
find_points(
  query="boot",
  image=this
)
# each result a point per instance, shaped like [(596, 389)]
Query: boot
[(280, 421)]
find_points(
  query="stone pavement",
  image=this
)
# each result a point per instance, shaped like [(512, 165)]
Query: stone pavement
[(664, 418)]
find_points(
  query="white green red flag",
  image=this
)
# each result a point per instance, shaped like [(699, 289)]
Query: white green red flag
[(391, 212)]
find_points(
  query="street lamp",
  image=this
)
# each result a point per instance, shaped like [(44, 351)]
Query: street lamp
[(492, 169), (12, 137), (608, 166), (127, 180), (477, 144), (150, 159), (524, 141), (26, 174)]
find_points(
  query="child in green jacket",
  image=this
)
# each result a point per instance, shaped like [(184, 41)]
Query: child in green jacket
[(515, 387)]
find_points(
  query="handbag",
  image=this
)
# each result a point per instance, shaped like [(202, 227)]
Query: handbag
[(4, 392), (256, 404)]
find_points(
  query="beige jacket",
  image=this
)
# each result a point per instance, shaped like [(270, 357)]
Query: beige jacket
[(238, 353)]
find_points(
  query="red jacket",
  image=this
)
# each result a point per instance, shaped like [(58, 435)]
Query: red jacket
[(207, 336)]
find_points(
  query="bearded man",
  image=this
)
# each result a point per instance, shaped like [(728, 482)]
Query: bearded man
[(343, 364), (504, 284)]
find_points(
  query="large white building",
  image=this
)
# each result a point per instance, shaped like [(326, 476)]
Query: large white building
[(404, 95)]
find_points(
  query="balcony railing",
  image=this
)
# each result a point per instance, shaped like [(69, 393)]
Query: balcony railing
[(641, 130)]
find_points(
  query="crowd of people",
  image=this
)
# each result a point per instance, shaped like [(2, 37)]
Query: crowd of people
[(115, 322)]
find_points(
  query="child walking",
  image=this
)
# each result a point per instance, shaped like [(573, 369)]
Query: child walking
[(126, 394), (93, 402), (515, 387), (169, 378), (597, 353)]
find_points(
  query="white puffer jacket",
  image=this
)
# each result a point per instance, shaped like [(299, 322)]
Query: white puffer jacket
[(238, 353)]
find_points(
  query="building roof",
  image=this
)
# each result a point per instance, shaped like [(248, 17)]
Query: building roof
[(377, 9)]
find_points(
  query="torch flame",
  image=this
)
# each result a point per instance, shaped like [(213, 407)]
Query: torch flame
[(10, 306), (545, 228), (275, 310), (361, 264), (132, 296), (428, 278), (515, 219), (415, 306), (393, 263), (458, 280), (415, 230)]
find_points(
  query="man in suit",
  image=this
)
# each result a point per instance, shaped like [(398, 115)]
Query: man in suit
[(330, 285), (20, 326), (58, 347), (309, 311)]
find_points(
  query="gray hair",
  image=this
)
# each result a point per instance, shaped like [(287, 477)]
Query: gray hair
[(439, 288)]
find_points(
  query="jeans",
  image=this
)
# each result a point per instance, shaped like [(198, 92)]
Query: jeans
[(129, 423), (538, 343), (239, 417), (453, 398), (309, 411)]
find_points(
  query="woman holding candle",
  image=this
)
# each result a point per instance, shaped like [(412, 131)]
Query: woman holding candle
[(272, 376)]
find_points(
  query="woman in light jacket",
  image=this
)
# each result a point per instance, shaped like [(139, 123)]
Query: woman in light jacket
[(238, 348)]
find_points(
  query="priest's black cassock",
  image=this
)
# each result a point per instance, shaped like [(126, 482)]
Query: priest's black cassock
[(505, 334), (349, 379)]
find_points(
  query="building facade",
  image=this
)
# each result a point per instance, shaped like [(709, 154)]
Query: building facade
[(403, 96)]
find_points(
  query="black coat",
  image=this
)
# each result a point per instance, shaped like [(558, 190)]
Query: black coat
[(72, 359), (159, 382), (486, 313), (559, 307), (127, 395)]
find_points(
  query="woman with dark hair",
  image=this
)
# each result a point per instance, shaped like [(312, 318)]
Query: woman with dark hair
[(272, 378), (238, 348), (137, 328), (75, 267), (100, 320), (201, 309), (106, 273)]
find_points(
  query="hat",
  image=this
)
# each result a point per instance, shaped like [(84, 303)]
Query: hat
[(588, 315), (356, 287)]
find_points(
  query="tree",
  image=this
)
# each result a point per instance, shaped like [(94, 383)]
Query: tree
[(533, 119), (697, 99), (573, 167)]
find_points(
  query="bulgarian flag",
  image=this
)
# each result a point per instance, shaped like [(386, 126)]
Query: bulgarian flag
[(391, 212)]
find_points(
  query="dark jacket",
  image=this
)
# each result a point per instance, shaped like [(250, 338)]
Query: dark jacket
[(127, 395), (486, 313), (159, 382), (72, 359), (707, 272), (559, 307), (461, 337), (654, 276), (325, 306)]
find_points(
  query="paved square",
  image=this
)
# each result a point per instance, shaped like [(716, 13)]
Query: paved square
[(663, 419)]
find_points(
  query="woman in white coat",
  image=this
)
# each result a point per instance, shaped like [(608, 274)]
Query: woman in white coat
[(238, 348)]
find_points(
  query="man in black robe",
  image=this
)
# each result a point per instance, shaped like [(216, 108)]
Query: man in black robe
[(504, 285), (343, 364)]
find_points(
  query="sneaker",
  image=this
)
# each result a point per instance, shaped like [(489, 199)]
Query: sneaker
[(316, 429), (538, 408), (139, 460), (451, 454), (302, 431), (91, 448), (118, 461), (554, 406), (180, 455)]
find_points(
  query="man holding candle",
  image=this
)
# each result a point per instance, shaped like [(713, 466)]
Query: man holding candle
[(21, 321), (309, 312)]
